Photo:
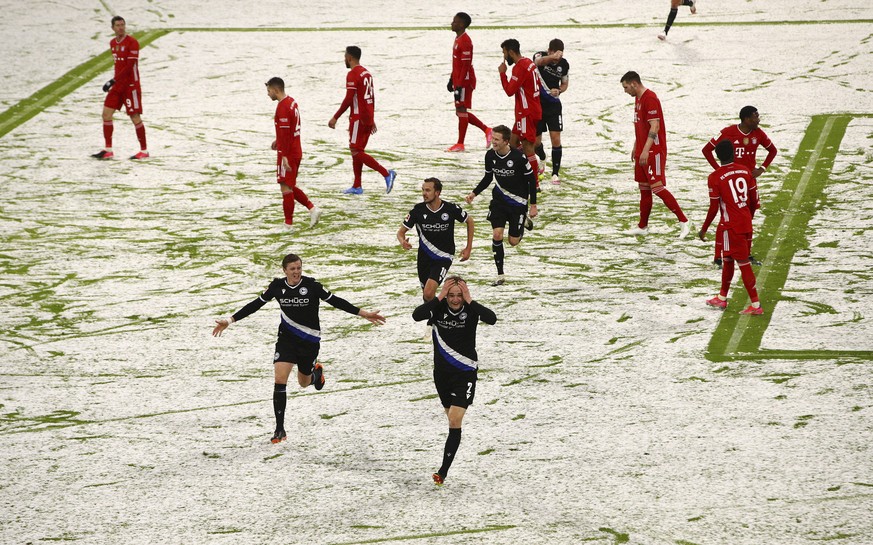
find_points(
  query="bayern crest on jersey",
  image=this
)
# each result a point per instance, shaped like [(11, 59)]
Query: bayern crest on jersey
[(754, 141)]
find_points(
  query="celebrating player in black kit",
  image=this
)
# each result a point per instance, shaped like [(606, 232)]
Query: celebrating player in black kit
[(299, 330), (516, 183), (554, 79), (434, 219), (454, 316)]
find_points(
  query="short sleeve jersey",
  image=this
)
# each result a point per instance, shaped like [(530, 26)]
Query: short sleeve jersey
[(732, 185), (525, 82), (646, 108), (364, 99), (745, 145), (463, 74), (436, 228), (299, 307), (126, 56), (454, 337), (513, 175), (551, 75), (287, 122)]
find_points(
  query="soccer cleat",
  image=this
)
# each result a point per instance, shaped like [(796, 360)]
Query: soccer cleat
[(555, 179), (389, 181), (314, 215), (753, 311), (500, 280), (541, 168), (662, 36), (287, 228), (754, 261), (686, 228), (103, 154), (354, 191), (488, 133), (438, 479), (717, 262), (140, 155), (528, 224), (638, 231), (693, 7), (717, 302), (279, 436), (457, 147), (318, 377)]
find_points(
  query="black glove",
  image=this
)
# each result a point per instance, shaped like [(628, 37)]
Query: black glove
[(449, 87), (108, 85)]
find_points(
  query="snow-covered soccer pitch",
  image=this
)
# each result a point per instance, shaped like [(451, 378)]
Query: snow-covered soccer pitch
[(612, 406)]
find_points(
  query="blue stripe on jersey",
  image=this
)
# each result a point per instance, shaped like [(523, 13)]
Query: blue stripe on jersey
[(305, 333), (452, 357), (511, 198), (430, 249)]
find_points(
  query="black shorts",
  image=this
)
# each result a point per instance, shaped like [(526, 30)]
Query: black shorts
[(456, 388), (299, 352), (432, 269), (500, 214), (553, 120)]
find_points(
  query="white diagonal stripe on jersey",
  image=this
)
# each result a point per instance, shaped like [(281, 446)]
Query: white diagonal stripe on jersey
[(302, 328), (512, 196), (431, 248), (463, 360)]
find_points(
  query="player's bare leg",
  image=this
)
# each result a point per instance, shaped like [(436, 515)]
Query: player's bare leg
[(429, 290)]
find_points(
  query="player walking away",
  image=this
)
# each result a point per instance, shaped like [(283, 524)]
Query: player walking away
[(650, 154), (361, 98), (299, 330), (516, 184), (123, 89), (453, 317), (554, 80), (289, 153), (434, 219), (463, 81), (674, 9), (524, 85), (746, 137), (733, 192)]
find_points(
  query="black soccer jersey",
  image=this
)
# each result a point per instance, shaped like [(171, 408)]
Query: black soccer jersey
[(551, 74), (299, 307), (454, 332), (436, 228), (516, 182)]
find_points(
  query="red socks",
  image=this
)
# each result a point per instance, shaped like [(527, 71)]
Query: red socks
[(107, 133), (140, 135), (645, 207)]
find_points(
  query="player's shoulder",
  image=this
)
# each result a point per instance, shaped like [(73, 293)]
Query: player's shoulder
[(563, 63), (515, 153)]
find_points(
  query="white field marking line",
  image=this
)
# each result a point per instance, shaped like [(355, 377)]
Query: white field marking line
[(740, 327)]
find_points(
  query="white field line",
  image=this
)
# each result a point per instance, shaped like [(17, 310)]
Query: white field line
[(740, 327)]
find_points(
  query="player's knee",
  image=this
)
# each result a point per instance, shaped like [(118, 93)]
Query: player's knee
[(513, 241), (304, 380)]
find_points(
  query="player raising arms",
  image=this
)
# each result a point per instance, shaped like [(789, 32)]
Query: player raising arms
[(650, 154), (289, 152), (733, 192), (463, 81), (454, 316), (361, 98), (299, 330), (746, 137), (524, 85), (516, 184), (555, 79), (434, 219), (123, 90)]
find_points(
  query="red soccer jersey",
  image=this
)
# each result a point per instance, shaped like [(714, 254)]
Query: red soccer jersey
[(287, 121), (126, 55), (463, 74), (525, 85), (646, 108), (733, 186), (360, 96), (745, 146)]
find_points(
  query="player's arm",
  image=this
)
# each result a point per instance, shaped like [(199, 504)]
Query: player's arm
[(485, 314), (771, 154), (129, 62), (465, 253), (486, 179), (401, 236), (654, 127), (709, 153), (710, 214), (347, 102), (511, 85), (285, 134), (754, 203), (531, 186), (565, 83), (252, 307), (424, 311), (462, 66)]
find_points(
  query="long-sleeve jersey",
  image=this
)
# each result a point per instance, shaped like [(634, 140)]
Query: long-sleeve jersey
[(125, 53), (734, 193), (516, 182), (287, 121), (298, 307), (360, 96), (463, 74), (454, 332), (524, 85), (745, 147)]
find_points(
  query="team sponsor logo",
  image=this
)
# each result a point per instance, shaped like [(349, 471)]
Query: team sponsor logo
[(509, 163), (296, 301), (452, 324), (445, 217), (503, 172), (434, 226), (304, 291), (462, 316)]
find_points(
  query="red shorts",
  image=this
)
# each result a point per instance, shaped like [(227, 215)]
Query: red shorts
[(287, 176), (736, 245), (526, 128), (464, 97), (124, 95), (651, 175), (359, 134)]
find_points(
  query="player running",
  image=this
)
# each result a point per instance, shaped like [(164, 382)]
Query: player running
[(454, 317), (299, 330), (462, 82), (434, 219), (733, 192), (123, 90), (524, 85), (516, 185), (674, 10), (361, 98)]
